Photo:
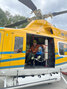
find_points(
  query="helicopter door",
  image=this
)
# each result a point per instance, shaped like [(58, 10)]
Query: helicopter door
[(18, 49), (6, 38)]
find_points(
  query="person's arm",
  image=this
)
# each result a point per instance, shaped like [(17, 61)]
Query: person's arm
[(43, 46), (18, 50), (29, 50)]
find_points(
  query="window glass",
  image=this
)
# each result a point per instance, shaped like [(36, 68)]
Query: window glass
[(62, 48), (18, 44), (65, 49)]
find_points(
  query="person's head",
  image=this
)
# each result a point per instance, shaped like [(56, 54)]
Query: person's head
[(40, 49), (34, 42)]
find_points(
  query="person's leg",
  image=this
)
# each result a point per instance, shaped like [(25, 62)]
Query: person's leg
[(28, 57), (42, 59), (32, 59), (36, 61)]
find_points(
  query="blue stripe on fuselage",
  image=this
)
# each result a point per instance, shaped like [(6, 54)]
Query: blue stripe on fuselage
[(60, 63), (12, 59), (17, 66)]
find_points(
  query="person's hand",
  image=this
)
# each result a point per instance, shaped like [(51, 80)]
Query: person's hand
[(44, 46), (34, 51), (16, 50), (28, 51), (38, 57), (32, 58)]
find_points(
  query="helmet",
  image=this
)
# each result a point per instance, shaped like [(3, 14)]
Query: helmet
[(34, 41)]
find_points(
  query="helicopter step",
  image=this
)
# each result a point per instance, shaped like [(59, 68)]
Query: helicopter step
[(21, 82)]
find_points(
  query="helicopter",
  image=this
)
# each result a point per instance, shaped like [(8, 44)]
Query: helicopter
[(14, 44)]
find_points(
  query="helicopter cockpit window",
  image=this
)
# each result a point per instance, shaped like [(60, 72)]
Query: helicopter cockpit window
[(63, 49), (18, 45)]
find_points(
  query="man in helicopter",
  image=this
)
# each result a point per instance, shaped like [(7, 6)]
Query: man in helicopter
[(35, 53)]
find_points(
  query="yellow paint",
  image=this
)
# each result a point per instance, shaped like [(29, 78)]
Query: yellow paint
[(57, 56), (61, 60), (65, 53), (12, 63)]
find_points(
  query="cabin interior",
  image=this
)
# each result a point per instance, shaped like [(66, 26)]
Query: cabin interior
[(47, 60)]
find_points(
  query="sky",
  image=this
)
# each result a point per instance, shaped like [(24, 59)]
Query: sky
[(46, 6)]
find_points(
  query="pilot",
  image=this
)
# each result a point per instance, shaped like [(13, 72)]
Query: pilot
[(33, 52)]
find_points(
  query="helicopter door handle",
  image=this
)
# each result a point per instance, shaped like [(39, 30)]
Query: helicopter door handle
[(10, 55)]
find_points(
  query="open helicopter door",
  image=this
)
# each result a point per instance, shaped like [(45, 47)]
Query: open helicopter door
[(18, 50), (48, 53)]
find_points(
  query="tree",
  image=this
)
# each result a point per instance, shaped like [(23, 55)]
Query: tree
[(3, 18), (6, 18), (16, 18)]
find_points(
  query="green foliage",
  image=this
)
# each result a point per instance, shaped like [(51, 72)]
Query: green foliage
[(3, 18), (6, 18)]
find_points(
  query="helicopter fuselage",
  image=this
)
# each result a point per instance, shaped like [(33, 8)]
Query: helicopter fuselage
[(13, 62)]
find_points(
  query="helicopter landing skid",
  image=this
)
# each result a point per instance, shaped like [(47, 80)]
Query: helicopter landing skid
[(19, 82)]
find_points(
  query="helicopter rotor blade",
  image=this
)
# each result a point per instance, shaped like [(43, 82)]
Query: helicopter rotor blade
[(20, 22), (59, 13), (17, 23), (34, 9), (54, 14), (29, 4)]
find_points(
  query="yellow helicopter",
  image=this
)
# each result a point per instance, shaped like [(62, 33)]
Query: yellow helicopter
[(14, 44)]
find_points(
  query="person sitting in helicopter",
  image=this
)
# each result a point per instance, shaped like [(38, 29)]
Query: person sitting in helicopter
[(33, 52), (39, 56)]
